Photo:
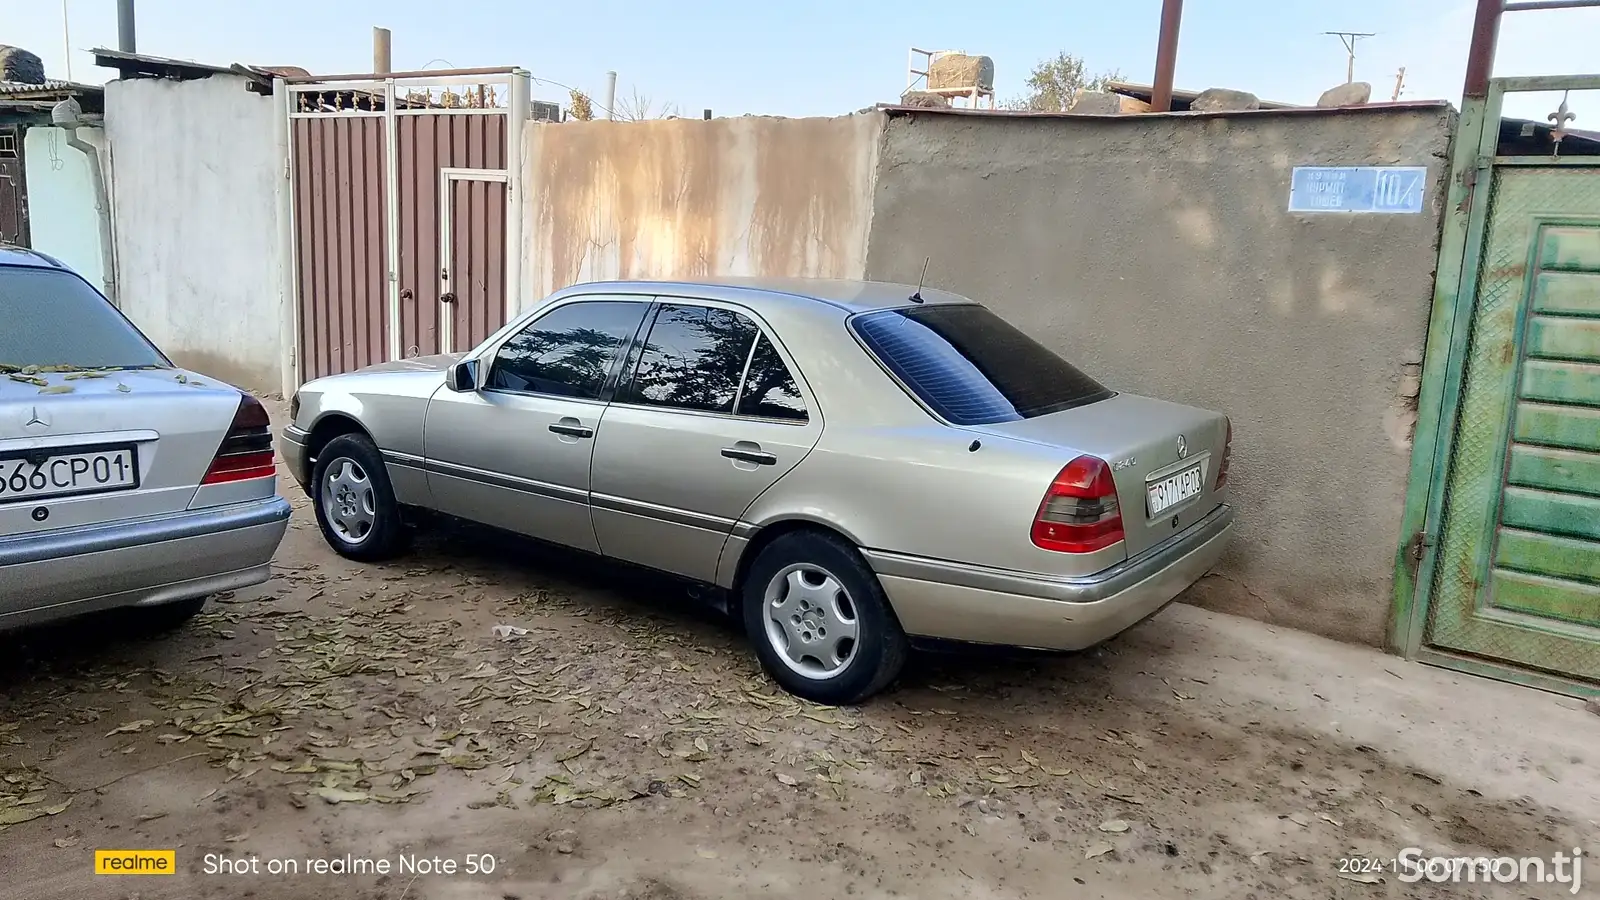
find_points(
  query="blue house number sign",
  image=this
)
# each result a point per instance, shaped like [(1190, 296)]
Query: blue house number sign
[(1358, 189)]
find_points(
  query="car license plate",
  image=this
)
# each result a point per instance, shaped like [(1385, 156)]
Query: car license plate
[(1174, 489), (67, 473)]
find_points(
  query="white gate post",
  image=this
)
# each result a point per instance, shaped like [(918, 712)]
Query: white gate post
[(516, 131), (391, 215), (288, 248)]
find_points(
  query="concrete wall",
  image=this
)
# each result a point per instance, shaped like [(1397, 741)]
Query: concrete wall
[(200, 193), (1157, 253), (689, 198), (63, 218)]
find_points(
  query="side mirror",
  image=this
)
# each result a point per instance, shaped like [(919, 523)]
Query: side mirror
[(462, 377)]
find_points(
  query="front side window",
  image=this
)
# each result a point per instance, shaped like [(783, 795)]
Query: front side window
[(694, 359), (770, 391), (972, 367), (568, 351), (53, 320)]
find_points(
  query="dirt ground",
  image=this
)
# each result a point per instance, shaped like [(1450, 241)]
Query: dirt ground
[(628, 746)]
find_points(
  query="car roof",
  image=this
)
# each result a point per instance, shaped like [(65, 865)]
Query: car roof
[(12, 255), (846, 295)]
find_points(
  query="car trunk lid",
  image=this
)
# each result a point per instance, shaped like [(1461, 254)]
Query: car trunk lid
[(79, 448), (1163, 456)]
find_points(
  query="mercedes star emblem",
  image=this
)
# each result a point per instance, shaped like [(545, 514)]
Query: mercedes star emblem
[(1183, 447), (36, 419)]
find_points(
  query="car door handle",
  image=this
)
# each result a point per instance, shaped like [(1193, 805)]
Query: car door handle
[(759, 457), (572, 428)]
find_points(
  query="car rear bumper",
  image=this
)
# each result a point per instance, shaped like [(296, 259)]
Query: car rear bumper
[(951, 601), (293, 447), (143, 562)]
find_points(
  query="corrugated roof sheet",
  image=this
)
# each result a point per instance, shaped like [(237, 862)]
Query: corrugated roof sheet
[(49, 87)]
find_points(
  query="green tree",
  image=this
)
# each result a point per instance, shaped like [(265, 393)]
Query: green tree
[(1055, 81)]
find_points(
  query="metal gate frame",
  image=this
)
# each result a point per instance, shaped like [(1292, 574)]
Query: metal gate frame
[(1473, 160), (389, 87), (447, 181)]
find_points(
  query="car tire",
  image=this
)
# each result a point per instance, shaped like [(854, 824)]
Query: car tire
[(354, 501), (166, 617), (799, 586)]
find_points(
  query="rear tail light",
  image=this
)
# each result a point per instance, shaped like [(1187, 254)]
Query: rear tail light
[(1080, 512), (246, 452), (1227, 457)]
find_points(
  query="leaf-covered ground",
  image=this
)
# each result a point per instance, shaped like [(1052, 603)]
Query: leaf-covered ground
[(615, 741)]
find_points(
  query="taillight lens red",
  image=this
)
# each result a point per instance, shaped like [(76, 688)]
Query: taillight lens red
[(1079, 513), (1227, 457), (246, 451)]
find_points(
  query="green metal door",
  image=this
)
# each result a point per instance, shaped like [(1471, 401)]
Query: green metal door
[(1517, 574)]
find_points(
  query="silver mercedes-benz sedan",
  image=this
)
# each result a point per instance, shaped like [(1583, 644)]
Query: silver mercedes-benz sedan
[(125, 481), (857, 465)]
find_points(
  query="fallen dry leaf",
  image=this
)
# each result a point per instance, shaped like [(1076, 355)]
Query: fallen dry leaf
[(130, 727), (340, 795)]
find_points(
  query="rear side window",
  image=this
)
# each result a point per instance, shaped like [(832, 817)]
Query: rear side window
[(693, 359), (972, 367), (50, 318), (568, 351), (769, 388)]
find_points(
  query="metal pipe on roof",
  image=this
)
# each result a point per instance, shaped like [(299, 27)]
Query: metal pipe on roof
[(1166, 56), (125, 35), (382, 58), (1529, 5), (1480, 53)]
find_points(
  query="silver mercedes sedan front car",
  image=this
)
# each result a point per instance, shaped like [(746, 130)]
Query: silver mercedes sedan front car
[(125, 481), (858, 465)]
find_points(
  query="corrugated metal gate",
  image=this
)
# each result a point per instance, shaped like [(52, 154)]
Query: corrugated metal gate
[(1507, 566), (389, 261)]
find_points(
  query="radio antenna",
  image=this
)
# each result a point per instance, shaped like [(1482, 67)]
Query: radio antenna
[(916, 296)]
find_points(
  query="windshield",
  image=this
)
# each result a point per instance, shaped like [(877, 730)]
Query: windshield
[(972, 367), (55, 322)]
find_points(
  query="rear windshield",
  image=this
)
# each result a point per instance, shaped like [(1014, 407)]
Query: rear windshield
[(971, 366), (54, 320)]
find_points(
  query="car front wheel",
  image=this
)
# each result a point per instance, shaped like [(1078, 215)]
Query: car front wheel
[(354, 501), (820, 621)]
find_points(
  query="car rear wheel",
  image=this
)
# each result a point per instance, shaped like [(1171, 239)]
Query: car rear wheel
[(820, 621), (354, 501)]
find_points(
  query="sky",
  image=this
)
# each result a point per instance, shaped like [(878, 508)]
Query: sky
[(829, 57)]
